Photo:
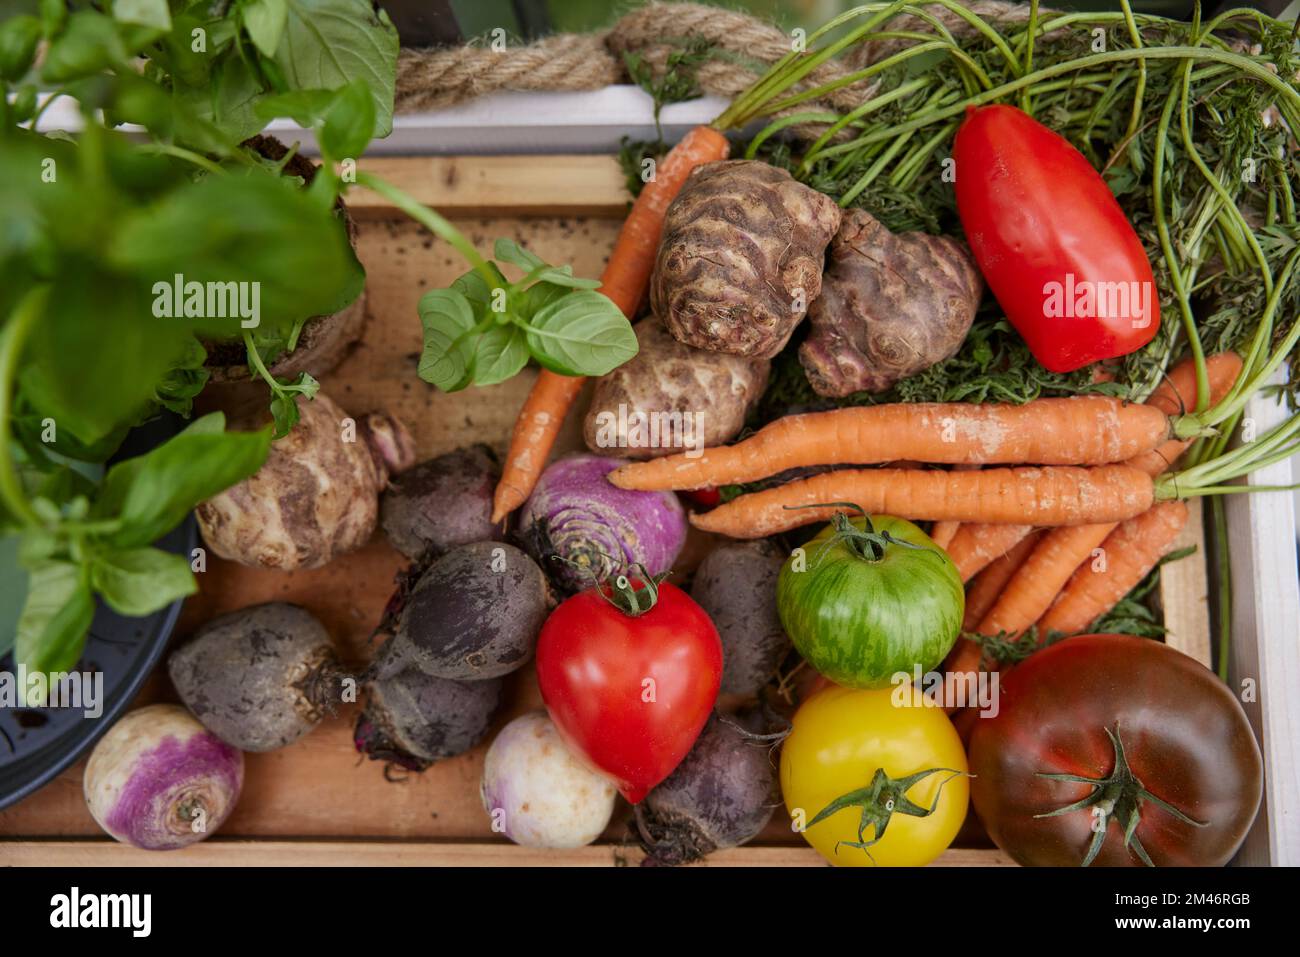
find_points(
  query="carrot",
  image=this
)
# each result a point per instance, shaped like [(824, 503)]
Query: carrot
[(988, 584), (1054, 495), (1131, 551), (1044, 573), (624, 280), (976, 544), (1082, 430), (941, 533)]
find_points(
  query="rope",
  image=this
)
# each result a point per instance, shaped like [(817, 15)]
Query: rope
[(739, 48)]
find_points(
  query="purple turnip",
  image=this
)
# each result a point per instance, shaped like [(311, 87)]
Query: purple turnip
[(472, 614), (736, 585), (722, 794), (580, 526), (442, 503), (160, 780), (259, 678), (413, 719), (537, 793), (316, 496)]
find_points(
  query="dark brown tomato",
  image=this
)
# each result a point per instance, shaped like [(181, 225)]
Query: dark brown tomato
[(1182, 736)]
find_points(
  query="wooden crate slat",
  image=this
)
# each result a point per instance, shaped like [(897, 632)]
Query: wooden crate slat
[(499, 185), (1185, 591), (228, 853)]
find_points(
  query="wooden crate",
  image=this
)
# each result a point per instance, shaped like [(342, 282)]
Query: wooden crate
[(317, 802)]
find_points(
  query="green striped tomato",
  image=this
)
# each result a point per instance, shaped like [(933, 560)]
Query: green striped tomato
[(862, 609)]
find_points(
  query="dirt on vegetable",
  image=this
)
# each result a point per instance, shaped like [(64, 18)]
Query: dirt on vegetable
[(441, 503)]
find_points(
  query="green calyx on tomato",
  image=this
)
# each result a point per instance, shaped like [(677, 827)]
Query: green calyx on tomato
[(1117, 797), (870, 598), (880, 801), (633, 597)]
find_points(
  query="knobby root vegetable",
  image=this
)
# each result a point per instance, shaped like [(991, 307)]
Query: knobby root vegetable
[(741, 258), (259, 678), (736, 585), (413, 719), (538, 793), (671, 397), (317, 495), (890, 306), (1081, 430), (722, 795), (472, 614), (578, 525), (442, 503), (1130, 551), (624, 281), (1054, 495), (159, 780)]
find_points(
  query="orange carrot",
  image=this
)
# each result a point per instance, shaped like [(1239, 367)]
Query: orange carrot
[(1054, 495), (941, 533), (624, 280), (1130, 551), (1083, 430), (1044, 573), (988, 584), (976, 544)]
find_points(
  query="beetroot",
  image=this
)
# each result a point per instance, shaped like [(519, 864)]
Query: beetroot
[(472, 614), (736, 585), (442, 503), (160, 780), (413, 719), (722, 794), (581, 527), (259, 678)]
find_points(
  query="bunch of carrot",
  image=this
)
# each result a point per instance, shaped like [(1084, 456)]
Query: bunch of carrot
[(1073, 575)]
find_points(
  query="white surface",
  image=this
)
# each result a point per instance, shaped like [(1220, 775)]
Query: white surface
[(588, 122), (1266, 645)]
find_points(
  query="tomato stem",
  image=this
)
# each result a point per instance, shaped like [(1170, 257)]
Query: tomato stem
[(880, 801), (1117, 797)]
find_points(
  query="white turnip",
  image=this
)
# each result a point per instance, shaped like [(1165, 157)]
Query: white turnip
[(159, 780), (317, 495), (538, 793), (259, 678)]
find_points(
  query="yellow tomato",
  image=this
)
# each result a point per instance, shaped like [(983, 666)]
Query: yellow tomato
[(857, 749)]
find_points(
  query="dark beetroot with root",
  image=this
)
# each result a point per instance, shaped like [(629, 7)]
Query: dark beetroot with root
[(472, 614), (261, 677), (442, 503), (722, 795), (413, 719)]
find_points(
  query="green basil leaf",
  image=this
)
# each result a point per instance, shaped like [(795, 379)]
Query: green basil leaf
[(153, 492), (582, 333), (140, 581), (54, 621), (330, 43), (226, 101), (18, 37), (307, 108), (507, 250), (349, 123), (537, 297), (146, 13), (89, 43), (448, 357), (499, 354), (264, 20), (563, 276)]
